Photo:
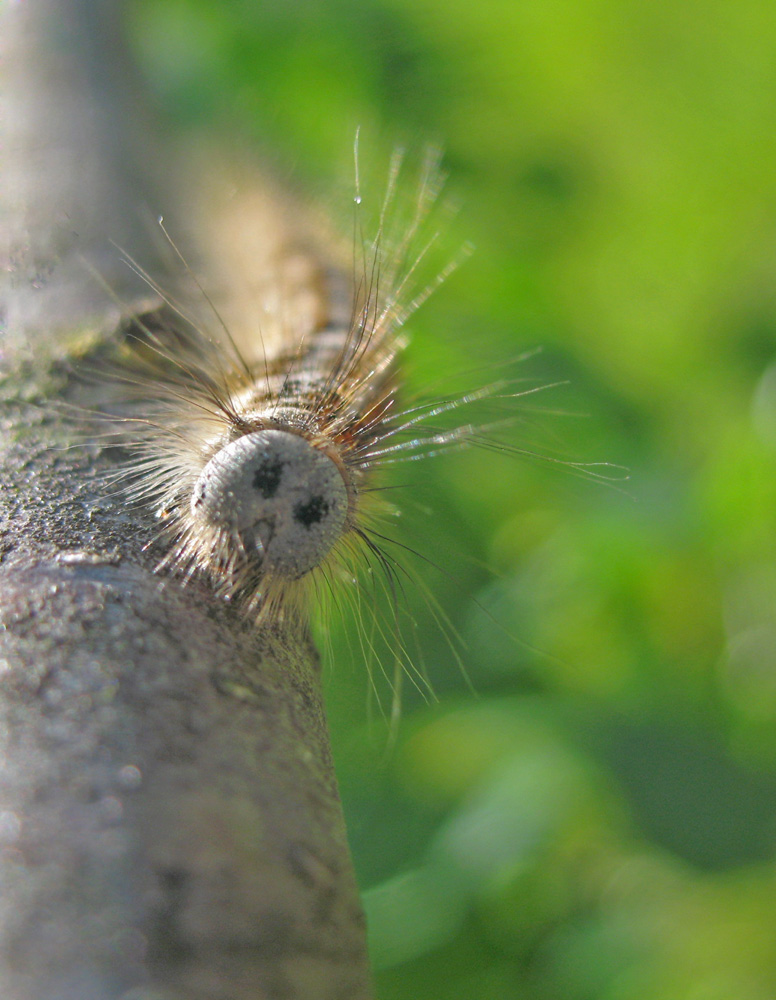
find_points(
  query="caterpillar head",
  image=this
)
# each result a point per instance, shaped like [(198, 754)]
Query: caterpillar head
[(278, 495)]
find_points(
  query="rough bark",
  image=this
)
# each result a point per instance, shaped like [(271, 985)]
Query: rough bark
[(170, 827)]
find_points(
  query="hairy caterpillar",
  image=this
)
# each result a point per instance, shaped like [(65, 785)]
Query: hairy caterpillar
[(260, 466), (261, 463)]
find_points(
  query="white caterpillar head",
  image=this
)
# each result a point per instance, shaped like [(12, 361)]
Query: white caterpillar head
[(282, 497)]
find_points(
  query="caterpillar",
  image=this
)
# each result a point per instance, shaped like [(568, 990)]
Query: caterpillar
[(263, 464), (260, 467)]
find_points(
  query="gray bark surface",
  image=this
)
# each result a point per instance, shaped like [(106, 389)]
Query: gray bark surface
[(170, 827)]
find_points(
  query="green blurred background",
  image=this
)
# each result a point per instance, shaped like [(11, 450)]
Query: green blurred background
[(597, 818)]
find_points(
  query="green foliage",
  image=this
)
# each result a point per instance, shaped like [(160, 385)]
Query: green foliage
[(598, 821)]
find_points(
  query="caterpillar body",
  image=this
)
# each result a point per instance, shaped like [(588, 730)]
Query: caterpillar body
[(260, 462)]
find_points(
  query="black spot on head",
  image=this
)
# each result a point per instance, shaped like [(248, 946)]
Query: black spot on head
[(312, 512), (266, 478), (173, 879)]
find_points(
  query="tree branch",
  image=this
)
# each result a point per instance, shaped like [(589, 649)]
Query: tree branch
[(169, 817)]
